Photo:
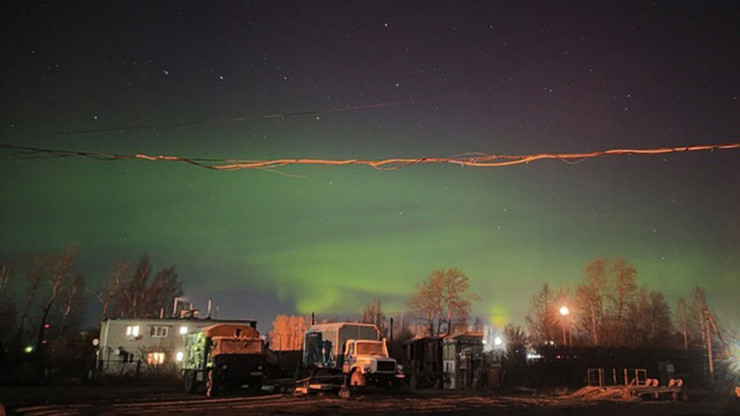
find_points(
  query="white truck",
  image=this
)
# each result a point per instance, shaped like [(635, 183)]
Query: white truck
[(352, 350)]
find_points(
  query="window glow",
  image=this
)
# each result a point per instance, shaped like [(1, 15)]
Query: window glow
[(155, 358), (132, 330), (183, 330), (178, 356)]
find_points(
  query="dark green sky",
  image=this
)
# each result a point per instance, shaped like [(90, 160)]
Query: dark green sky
[(501, 78)]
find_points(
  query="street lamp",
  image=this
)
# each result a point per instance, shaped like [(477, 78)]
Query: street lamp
[(564, 311)]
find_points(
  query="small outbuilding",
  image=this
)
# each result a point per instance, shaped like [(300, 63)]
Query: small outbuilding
[(462, 359)]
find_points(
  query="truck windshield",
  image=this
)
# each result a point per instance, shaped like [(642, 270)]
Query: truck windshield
[(238, 346), (370, 348)]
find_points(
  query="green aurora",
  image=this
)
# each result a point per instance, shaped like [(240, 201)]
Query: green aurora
[(404, 79)]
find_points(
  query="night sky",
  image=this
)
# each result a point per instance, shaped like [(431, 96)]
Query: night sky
[(414, 79)]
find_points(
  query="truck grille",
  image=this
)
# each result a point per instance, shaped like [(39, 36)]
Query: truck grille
[(386, 366)]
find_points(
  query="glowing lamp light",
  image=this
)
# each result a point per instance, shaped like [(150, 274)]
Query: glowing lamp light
[(178, 356), (183, 330), (564, 310), (28, 349), (498, 341)]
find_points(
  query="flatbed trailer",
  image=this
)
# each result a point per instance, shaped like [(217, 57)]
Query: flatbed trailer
[(666, 392)]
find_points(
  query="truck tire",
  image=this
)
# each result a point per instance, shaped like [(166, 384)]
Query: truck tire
[(255, 385), (211, 384), (189, 383), (357, 379)]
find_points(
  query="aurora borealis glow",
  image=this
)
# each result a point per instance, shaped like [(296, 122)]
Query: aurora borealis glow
[(499, 77)]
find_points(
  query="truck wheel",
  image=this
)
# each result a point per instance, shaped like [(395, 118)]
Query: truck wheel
[(190, 383), (357, 379), (211, 384), (255, 385)]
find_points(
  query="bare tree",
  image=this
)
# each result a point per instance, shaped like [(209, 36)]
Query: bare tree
[(541, 318), (288, 332), (621, 294), (374, 315), (515, 335), (700, 305), (426, 303), (456, 300), (8, 311), (164, 287), (590, 297), (60, 275), (135, 295), (684, 324), (72, 303), (650, 321), (441, 299), (661, 327), (109, 290), (33, 276)]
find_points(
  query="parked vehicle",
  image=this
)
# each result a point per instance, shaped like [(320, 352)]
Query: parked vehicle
[(349, 354), (223, 357)]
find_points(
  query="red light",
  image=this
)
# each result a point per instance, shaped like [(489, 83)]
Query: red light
[(47, 326)]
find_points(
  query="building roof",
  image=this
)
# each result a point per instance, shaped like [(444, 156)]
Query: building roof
[(180, 320), (468, 335), (230, 330), (335, 326)]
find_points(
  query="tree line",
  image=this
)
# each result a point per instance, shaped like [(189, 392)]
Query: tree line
[(43, 298), (609, 308)]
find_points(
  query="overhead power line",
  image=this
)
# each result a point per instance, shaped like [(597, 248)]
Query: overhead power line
[(268, 116), (470, 159)]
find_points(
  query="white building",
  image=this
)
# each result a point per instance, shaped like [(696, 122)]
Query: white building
[(129, 346)]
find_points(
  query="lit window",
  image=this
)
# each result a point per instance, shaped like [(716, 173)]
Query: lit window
[(179, 356), (155, 358), (132, 330), (159, 331), (183, 330)]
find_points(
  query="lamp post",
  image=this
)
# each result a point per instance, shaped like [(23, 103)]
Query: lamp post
[(564, 311)]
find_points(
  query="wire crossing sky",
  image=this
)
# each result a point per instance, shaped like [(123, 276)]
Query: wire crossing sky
[(618, 123), (480, 160)]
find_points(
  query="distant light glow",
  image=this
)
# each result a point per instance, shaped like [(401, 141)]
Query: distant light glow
[(179, 355), (28, 349), (734, 358), (564, 310), (183, 330), (498, 341)]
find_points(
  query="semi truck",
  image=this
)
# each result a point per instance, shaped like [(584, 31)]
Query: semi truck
[(223, 357), (352, 353)]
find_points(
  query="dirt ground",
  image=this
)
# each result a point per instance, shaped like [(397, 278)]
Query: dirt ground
[(168, 400)]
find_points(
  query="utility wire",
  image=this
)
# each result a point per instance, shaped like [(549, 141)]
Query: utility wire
[(469, 159), (269, 116)]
